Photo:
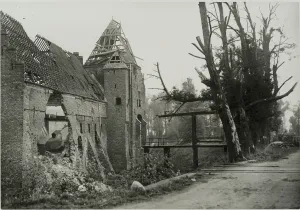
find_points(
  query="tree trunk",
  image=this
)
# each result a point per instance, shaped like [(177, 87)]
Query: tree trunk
[(234, 149), (245, 134), (232, 139)]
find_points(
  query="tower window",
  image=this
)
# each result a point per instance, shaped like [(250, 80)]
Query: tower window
[(115, 59), (118, 101)]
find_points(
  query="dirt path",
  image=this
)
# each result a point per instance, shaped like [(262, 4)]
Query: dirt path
[(264, 185)]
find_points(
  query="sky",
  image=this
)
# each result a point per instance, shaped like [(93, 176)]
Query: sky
[(158, 31)]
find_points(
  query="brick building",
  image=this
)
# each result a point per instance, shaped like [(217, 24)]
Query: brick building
[(104, 125), (113, 64), (35, 76)]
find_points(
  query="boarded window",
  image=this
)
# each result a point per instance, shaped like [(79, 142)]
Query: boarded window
[(118, 101)]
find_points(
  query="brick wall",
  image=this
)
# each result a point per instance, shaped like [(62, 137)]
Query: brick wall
[(138, 93), (35, 102), (12, 84), (89, 115), (116, 85)]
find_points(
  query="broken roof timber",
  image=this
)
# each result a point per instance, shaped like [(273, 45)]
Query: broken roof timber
[(48, 65)]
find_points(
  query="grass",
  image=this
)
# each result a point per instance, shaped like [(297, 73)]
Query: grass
[(273, 154)]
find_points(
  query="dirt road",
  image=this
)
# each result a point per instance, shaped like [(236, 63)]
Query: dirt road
[(244, 185)]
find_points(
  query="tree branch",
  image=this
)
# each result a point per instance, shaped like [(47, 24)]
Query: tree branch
[(201, 44), (271, 99), (198, 48), (161, 80), (156, 88), (283, 84), (196, 56), (152, 75)]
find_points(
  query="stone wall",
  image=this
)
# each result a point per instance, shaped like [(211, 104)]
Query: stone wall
[(12, 84)]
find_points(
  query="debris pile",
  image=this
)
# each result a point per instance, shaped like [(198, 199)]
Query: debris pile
[(54, 175)]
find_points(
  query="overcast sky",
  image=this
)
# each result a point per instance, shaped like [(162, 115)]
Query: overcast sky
[(158, 31)]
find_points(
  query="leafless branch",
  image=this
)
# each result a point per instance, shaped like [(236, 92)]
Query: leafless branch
[(152, 75), (271, 99), (283, 84), (198, 48), (201, 44), (156, 88), (196, 56), (161, 80), (235, 30)]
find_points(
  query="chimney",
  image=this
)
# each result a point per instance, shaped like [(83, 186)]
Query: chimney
[(80, 58)]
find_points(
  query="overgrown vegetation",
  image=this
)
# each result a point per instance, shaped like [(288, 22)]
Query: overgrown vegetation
[(155, 168)]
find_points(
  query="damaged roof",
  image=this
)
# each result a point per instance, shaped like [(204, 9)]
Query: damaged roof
[(48, 65), (112, 40)]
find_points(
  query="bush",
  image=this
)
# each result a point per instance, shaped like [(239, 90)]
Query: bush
[(154, 169)]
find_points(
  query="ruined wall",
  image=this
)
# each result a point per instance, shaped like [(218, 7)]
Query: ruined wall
[(12, 84), (116, 85), (35, 102), (85, 117)]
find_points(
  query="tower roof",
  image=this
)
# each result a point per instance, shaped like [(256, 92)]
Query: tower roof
[(112, 39)]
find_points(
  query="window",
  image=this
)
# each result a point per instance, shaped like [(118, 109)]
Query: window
[(115, 85), (115, 59), (89, 128), (139, 100), (81, 130), (118, 101)]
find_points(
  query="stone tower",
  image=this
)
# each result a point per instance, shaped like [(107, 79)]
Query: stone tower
[(113, 64)]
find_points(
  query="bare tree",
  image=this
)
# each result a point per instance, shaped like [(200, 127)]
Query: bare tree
[(226, 64)]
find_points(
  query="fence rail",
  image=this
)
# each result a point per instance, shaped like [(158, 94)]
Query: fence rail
[(161, 141)]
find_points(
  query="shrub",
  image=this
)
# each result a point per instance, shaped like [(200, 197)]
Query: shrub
[(153, 169)]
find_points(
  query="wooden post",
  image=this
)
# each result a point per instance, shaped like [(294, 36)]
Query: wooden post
[(194, 142)]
